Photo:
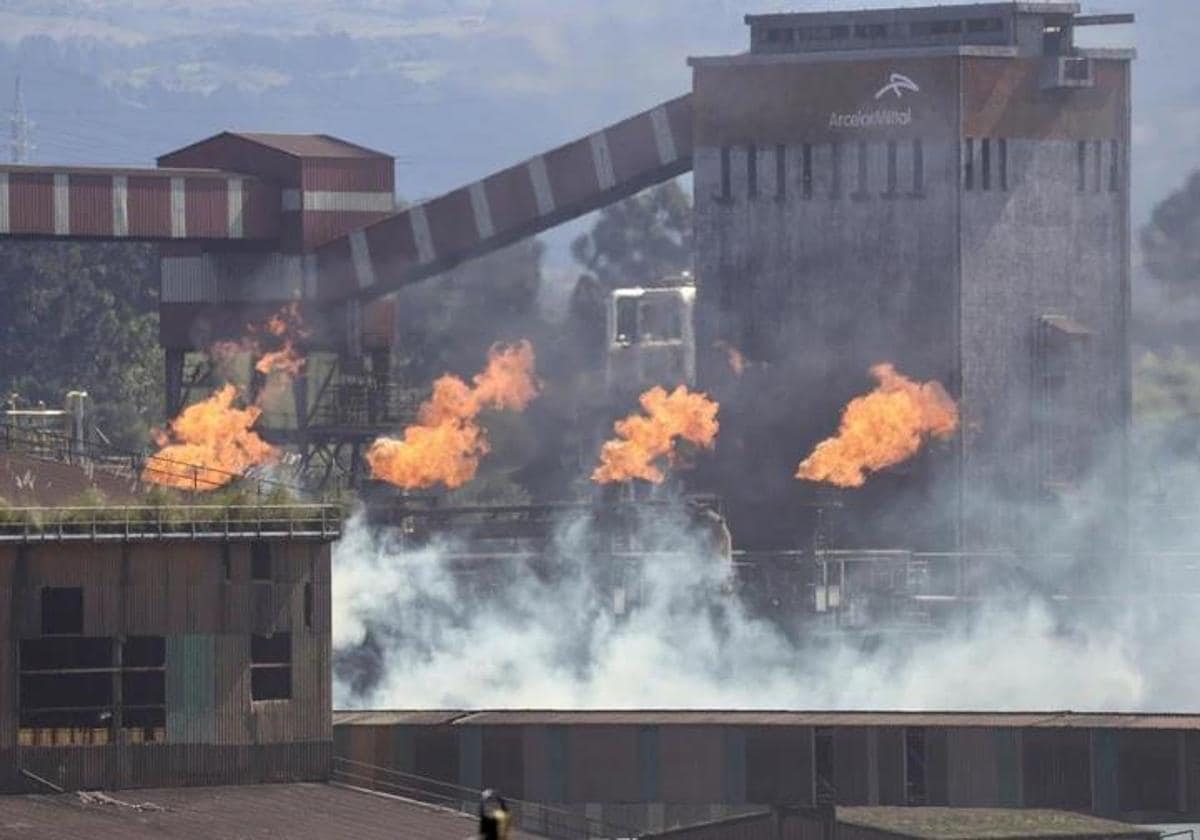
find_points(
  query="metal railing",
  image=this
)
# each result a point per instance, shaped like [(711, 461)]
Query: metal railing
[(531, 817), (136, 466), (170, 522)]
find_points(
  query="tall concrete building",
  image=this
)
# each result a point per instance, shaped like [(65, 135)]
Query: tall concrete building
[(945, 188)]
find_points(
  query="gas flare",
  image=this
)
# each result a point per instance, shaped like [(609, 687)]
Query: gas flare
[(447, 442), (208, 444), (283, 326), (644, 441), (881, 429)]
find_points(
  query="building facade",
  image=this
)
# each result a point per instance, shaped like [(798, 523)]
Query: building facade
[(139, 654), (942, 188)]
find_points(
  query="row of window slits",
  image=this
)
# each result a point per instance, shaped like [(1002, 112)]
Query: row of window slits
[(985, 164), (783, 35), (1092, 172), (913, 183)]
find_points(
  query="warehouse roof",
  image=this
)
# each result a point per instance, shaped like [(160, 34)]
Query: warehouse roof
[(1022, 720), (985, 823), (295, 811)]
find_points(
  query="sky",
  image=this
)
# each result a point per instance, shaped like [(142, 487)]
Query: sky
[(453, 88)]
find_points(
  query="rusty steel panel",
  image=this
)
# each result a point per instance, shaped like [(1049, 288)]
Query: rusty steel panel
[(1149, 775), (537, 782), (435, 754), (206, 208), (974, 766), (936, 767), (325, 226), (1056, 769), (31, 202), (603, 764), (690, 762), (1003, 98), (503, 760), (235, 154), (261, 210), (149, 207), (850, 765), (572, 171), (231, 706), (91, 200), (511, 198), (451, 222), (892, 765), (376, 174), (779, 765)]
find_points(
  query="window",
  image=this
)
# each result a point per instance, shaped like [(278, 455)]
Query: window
[(260, 561), (1081, 166), (62, 611), (661, 320), (891, 169), (271, 667), (916, 792), (726, 187), (627, 321), (823, 766), (781, 172), (870, 30), (752, 171), (806, 183), (918, 172), (1098, 163), (1077, 70), (835, 181), (308, 605), (927, 28), (1114, 166), (227, 560), (1002, 161), (860, 191), (985, 163), (144, 686), (985, 25), (969, 164)]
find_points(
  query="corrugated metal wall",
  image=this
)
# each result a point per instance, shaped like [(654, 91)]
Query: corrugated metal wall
[(215, 732)]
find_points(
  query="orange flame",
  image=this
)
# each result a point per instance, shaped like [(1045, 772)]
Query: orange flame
[(881, 429), (208, 444), (283, 325), (447, 443), (644, 440)]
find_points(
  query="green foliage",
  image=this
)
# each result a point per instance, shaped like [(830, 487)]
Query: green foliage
[(84, 316), (1171, 242), (640, 239)]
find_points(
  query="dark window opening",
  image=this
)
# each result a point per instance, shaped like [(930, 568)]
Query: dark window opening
[(260, 561), (985, 163), (1077, 69), (806, 171), (1114, 166), (62, 611), (1098, 155), (627, 321), (860, 191), (271, 667), (144, 652), (227, 560), (918, 179), (926, 28), (308, 605), (835, 183), (969, 164), (752, 171), (781, 172), (870, 30), (823, 766), (726, 180), (891, 169), (1002, 161), (916, 792), (87, 693), (66, 654), (143, 688), (1081, 166), (985, 25), (661, 320)]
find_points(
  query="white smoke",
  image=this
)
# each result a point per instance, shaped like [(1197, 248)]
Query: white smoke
[(427, 637)]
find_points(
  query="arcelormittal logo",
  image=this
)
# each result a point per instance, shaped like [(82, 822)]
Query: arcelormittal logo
[(897, 84)]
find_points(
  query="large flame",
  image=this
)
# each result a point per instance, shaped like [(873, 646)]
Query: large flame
[(447, 442), (208, 444), (284, 326), (644, 441), (881, 429)]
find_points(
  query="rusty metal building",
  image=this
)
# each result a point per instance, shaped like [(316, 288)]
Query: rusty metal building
[(945, 188), (657, 769), (151, 647)]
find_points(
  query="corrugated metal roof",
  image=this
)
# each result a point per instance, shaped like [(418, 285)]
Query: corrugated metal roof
[(309, 145), (972, 823), (294, 811), (1048, 719)]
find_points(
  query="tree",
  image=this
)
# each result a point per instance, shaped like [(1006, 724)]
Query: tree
[(1171, 242), (84, 317), (639, 239)]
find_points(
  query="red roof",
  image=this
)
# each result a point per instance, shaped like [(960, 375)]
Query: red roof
[(309, 145)]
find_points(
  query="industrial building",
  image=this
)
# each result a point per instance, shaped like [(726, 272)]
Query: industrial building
[(655, 769), (144, 647), (945, 188)]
